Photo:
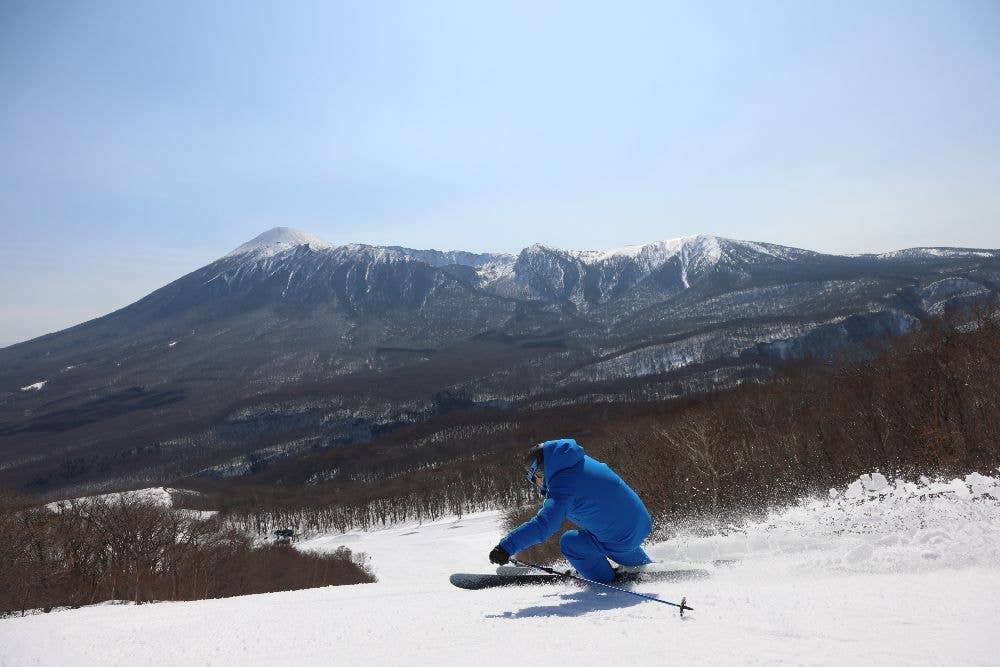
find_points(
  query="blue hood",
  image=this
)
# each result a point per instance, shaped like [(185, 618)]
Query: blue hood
[(558, 455)]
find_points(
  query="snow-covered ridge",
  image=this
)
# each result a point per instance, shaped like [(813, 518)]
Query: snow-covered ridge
[(693, 257), (583, 277), (282, 239), (701, 250), (652, 254), (945, 253), (708, 248)]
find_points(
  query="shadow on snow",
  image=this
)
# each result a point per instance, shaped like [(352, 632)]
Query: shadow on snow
[(576, 603)]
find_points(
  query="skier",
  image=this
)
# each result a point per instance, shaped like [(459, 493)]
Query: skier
[(612, 519)]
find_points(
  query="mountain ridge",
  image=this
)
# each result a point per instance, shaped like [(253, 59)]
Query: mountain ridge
[(331, 345), (279, 239)]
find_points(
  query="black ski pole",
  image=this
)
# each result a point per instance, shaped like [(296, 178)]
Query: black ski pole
[(549, 570)]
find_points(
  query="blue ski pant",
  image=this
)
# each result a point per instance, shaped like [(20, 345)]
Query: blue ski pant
[(590, 557)]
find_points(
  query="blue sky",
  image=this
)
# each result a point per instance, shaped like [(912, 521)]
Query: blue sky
[(139, 141)]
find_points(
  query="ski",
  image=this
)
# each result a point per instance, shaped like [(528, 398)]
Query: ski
[(519, 576), (475, 582), (515, 569), (652, 572)]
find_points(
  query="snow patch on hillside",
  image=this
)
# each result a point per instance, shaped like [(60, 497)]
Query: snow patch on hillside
[(496, 270), (157, 495)]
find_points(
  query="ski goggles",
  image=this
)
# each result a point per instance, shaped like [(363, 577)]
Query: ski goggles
[(536, 477), (532, 472)]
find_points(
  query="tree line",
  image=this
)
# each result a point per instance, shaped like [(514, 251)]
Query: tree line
[(924, 403), (129, 548)]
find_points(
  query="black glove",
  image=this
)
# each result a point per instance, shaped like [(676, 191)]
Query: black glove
[(499, 555)]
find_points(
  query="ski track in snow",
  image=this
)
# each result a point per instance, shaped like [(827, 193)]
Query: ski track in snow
[(876, 574)]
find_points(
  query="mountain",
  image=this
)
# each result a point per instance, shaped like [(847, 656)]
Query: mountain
[(289, 344)]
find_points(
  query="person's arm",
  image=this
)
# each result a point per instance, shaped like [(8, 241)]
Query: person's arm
[(539, 528)]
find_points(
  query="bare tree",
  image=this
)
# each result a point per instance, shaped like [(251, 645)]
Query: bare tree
[(701, 440)]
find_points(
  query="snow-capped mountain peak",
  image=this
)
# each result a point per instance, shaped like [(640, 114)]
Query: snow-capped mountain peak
[(279, 239)]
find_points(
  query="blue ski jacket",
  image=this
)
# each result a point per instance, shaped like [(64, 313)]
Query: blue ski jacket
[(588, 493)]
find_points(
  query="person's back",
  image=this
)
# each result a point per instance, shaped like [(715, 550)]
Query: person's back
[(590, 494), (605, 505)]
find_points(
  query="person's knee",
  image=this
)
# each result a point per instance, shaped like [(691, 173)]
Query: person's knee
[(569, 543)]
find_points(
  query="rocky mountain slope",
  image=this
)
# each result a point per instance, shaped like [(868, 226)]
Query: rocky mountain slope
[(289, 344)]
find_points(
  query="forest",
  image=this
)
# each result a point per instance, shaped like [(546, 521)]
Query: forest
[(926, 403)]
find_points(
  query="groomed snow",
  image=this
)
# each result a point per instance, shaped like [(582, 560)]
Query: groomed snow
[(876, 574)]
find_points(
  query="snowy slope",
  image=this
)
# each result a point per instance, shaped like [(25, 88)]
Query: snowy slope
[(157, 495), (877, 574)]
